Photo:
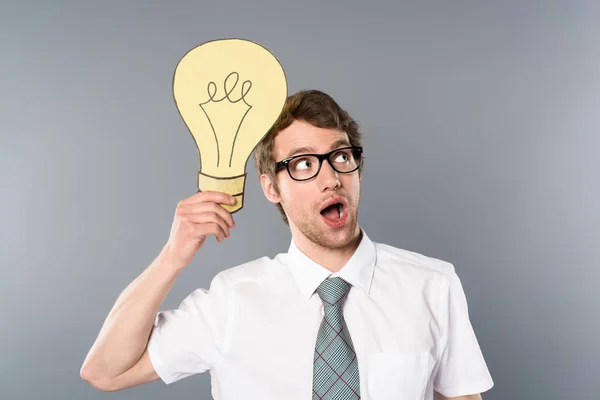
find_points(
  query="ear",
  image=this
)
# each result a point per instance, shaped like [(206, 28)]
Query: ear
[(268, 189)]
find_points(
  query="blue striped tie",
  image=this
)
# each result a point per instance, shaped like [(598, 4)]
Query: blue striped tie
[(335, 367)]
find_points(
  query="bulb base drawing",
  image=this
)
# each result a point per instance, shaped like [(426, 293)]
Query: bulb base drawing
[(233, 185)]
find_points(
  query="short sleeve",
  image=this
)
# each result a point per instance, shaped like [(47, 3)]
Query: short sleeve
[(461, 369), (187, 340)]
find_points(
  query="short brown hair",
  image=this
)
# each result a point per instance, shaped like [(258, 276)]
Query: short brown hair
[(314, 107)]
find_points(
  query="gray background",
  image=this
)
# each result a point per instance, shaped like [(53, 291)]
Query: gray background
[(481, 136)]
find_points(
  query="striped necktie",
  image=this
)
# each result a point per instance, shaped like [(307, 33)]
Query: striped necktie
[(335, 367)]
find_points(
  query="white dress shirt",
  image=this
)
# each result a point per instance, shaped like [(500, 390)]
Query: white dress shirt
[(255, 329)]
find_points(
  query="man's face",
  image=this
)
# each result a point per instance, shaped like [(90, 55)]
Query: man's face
[(304, 201)]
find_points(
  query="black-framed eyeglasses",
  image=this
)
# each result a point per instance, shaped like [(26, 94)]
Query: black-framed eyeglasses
[(303, 167)]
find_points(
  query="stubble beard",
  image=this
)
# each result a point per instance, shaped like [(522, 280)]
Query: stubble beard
[(322, 235)]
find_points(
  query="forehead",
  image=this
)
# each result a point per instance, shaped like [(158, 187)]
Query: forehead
[(301, 135)]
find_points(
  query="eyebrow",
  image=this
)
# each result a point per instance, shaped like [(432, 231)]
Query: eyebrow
[(309, 149)]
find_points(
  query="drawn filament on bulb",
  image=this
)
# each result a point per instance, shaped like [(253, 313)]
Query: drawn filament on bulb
[(226, 127)]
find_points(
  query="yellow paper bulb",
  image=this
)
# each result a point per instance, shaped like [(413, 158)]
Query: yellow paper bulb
[(229, 93)]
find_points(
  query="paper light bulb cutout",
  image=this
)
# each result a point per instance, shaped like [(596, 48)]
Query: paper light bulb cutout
[(229, 93)]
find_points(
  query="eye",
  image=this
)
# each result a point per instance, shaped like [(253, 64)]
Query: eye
[(341, 157), (302, 164)]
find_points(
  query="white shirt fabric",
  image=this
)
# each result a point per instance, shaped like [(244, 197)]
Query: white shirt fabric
[(255, 329)]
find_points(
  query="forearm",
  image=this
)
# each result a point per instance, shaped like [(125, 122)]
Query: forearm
[(125, 332)]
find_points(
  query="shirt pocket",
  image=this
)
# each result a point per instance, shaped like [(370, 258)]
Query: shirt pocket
[(398, 375)]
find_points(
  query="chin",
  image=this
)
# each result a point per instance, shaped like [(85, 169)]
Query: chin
[(325, 236)]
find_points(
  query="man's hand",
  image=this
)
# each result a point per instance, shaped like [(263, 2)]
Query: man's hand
[(196, 217), (468, 397)]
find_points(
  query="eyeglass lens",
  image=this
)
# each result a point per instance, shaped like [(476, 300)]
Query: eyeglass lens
[(306, 167)]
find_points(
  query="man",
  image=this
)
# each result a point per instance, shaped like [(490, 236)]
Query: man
[(337, 316)]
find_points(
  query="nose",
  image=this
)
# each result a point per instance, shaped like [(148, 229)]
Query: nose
[(328, 177)]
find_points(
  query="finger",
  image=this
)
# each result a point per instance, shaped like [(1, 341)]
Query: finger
[(209, 207), (208, 217), (211, 229), (224, 214), (210, 195)]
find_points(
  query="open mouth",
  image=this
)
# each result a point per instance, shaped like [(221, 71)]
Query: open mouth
[(333, 212)]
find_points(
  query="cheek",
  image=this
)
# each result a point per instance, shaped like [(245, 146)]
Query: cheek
[(296, 196), (352, 184)]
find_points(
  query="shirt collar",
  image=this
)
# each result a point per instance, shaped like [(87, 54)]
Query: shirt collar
[(358, 271)]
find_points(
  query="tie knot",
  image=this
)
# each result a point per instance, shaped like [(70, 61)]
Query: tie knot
[(332, 291)]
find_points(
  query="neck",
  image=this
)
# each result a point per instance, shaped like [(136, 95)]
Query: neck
[(331, 259)]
